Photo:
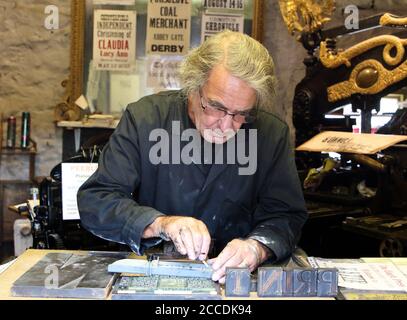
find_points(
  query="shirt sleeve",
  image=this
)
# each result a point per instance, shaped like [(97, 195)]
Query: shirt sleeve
[(105, 201), (281, 212)]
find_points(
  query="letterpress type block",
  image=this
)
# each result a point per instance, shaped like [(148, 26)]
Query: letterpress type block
[(270, 282), (305, 282), (237, 282), (253, 283), (288, 282), (327, 284)]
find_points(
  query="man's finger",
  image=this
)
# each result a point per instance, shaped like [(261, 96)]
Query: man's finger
[(197, 240), (222, 280), (244, 264), (178, 243), (206, 243), (188, 241), (234, 261), (224, 256)]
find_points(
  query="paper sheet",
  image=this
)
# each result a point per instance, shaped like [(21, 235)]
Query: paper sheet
[(5, 266), (361, 143), (73, 176), (360, 275)]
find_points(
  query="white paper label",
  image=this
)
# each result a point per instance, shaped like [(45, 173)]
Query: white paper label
[(215, 23), (73, 176)]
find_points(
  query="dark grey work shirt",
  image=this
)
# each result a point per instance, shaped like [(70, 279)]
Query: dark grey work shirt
[(128, 192)]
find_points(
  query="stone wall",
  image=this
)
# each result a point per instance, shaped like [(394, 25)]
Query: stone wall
[(34, 62)]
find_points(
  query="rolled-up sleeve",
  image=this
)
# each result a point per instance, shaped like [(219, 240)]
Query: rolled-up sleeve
[(281, 212), (105, 201)]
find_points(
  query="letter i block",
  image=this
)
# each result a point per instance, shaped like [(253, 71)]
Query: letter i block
[(327, 283), (270, 281), (305, 282), (237, 282)]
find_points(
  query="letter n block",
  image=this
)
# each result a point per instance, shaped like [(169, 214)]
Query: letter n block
[(305, 282), (270, 281), (327, 285), (288, 282), (237, 282)]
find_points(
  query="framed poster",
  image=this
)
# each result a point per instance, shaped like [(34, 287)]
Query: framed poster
[(147, 40)]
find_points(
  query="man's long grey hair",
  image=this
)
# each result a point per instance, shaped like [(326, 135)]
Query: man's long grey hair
[(243, 56)]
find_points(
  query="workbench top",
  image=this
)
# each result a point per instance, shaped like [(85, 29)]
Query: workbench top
[(29, 258)]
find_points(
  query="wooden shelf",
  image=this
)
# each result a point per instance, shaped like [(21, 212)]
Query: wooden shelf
[(17, 151), (16, 182), (88, 124)]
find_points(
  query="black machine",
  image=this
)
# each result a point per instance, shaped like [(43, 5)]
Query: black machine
[(361, 76), (49, 230)]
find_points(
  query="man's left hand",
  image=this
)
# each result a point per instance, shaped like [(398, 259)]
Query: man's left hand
[(247, 253)]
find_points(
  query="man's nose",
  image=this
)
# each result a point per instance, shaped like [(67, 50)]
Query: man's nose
[(226, 122)]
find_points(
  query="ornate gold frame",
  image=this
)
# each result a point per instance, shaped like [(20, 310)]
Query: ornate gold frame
[(386, 77), (67, 110)]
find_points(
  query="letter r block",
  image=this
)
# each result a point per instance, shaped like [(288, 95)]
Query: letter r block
[(305, 282), (238, 282), (327, 285), (270, 281)]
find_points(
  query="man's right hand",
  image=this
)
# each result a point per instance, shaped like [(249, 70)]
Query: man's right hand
[(189, 235)]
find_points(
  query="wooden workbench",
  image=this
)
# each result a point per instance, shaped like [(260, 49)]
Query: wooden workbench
[(29, 258)]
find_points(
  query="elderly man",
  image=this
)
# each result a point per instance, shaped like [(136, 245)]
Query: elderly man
[(252, 216)]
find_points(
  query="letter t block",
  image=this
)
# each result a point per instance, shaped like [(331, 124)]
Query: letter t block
[(237, 282)]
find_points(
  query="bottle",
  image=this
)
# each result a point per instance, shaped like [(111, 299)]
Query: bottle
[(11, 132), (25, 130)]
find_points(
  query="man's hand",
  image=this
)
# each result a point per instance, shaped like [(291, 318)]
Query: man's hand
[(190, 236), (247, 253)]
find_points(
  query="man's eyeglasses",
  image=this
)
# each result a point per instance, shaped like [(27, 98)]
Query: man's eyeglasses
[(220, 112)]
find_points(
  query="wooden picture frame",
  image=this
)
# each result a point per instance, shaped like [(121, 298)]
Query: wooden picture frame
[(68, 110)]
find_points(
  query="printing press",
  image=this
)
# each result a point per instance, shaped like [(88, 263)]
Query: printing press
[(351, 197)]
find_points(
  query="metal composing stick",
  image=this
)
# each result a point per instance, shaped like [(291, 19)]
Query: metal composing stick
[(157, 267)]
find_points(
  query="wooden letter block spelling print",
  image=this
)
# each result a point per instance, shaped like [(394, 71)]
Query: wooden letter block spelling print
[(305, 282), (237, 282), (327, 283), (270, 282)]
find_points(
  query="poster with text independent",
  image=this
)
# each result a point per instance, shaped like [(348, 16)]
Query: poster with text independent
[(114, 40), (168, 27)]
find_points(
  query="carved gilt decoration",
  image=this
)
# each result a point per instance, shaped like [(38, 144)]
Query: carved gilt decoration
[(392, 20), (385, 79), (306, 15), (380, 76)]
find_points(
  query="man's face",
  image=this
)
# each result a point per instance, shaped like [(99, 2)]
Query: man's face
[(222, 92)]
